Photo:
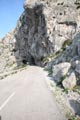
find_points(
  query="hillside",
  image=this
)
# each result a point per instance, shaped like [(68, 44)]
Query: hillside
[(7, 59)]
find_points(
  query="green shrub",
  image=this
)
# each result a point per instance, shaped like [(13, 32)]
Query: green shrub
[(66, 43)]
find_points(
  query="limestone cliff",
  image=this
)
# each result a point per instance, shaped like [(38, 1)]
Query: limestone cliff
[(43, 28), (7, 58)]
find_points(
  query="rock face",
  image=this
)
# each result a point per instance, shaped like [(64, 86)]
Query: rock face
[(77, 69), (32, 38), (60, 70), (43, 28), (7, 58), (69, 82)]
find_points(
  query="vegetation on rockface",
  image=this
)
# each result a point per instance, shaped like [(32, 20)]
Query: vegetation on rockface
[(61, 80), (72, 117), (66, 44), (54, 55), (77, 89), (51, 56), (49, 71)]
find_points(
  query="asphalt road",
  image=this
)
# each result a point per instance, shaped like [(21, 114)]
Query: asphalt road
[(26, 96)]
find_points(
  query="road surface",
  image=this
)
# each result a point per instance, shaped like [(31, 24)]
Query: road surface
[(26, 96)]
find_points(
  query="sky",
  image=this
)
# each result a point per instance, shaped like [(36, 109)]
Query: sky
[(10, 11)]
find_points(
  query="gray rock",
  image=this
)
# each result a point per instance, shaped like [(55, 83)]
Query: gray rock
[(43, 28), (75, 106), (70, 81), (60, 70), (7, 58), (77, 69), (32, 38)]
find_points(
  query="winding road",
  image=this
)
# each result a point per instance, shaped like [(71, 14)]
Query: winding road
[(26, 96)]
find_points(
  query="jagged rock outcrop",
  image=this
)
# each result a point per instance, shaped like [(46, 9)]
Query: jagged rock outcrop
[(32, 40), (60, 71), (70, 81), (7, 58), (43, 28)]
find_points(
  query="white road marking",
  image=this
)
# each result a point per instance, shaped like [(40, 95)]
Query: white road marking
[(8, 99)]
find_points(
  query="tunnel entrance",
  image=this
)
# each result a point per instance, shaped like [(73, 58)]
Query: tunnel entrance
[(24, 62), (32, 61)]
